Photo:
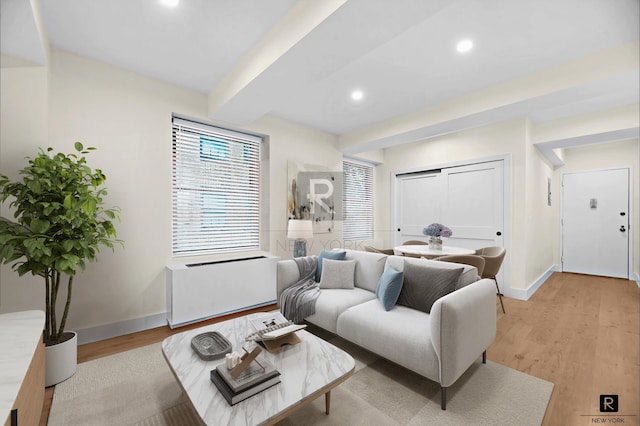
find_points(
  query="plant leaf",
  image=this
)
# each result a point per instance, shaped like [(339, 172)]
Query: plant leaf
[(39, 226), (67, 245)]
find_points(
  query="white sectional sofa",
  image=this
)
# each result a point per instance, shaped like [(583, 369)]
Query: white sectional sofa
[(440, 345)]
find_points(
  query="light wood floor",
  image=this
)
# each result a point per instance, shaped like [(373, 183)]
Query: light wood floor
[(579, 332)]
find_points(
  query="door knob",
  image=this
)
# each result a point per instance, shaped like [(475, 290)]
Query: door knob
[(622, 228), (498, 233)]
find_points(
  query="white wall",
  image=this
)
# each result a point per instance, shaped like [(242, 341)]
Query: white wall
[(23, 125), (127, 117), (540, 242)]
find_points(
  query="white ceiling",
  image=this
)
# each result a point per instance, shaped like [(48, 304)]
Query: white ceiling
[(400, 53)]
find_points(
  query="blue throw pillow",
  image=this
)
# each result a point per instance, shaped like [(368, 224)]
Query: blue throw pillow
[(326, 254), (389, 286)]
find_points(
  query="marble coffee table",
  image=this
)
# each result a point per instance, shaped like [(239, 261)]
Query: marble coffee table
[(308, 370)]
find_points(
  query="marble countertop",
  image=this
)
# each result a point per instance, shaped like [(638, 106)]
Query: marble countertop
[(306, 368), (20, 333)]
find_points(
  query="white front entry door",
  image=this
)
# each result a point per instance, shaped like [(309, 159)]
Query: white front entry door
[(595, 222)]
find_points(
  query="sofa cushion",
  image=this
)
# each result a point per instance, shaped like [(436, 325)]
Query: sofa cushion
[(402, 335), (369, 267), (423, 285), (328, 254), (333, 302), (389, 287), (469, 274), (337, 273)]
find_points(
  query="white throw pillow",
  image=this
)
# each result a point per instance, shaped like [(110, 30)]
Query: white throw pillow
[(337, 273)]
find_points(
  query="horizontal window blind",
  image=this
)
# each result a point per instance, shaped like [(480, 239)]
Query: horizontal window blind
[(357, 201), (215, 189)]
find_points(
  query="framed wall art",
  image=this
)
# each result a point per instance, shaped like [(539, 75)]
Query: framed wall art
[(314, 193)]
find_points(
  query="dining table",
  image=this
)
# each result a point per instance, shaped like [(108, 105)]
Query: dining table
[(430, 252)]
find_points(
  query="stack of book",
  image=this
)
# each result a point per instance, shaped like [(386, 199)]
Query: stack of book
[(252, 380)]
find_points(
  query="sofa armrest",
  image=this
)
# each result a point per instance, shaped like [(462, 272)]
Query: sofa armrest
[(463, 325), (287, 274)]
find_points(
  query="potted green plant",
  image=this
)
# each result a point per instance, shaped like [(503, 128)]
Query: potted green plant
[(60, 225)]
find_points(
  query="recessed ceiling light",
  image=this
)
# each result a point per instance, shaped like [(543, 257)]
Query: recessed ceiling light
[(464, 46), (357, 95), (170, 3)]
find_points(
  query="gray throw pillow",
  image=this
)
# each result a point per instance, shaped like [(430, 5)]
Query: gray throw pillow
[(328, 254), (338, 274), (423, 285)]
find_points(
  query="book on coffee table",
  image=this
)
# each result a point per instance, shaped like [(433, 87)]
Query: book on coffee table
[(272, 326), (236, 397)]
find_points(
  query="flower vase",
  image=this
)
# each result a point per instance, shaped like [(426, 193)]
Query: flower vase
[(435, 243)]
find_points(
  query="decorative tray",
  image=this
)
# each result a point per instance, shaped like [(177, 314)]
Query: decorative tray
[(210, 345)]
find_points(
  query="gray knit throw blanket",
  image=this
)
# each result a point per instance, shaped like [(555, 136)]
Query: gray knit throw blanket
[(299, 301)]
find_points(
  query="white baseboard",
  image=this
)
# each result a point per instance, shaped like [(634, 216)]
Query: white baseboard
[(525, 294), (107, 331), (120, 328)]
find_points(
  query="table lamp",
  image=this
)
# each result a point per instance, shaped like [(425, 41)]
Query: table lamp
[(300, 231)]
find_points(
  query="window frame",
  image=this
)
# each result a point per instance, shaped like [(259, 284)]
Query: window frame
[(222, 165), (358, 234)]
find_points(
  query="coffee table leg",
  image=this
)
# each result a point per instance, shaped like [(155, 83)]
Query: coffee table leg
[(327, 402)]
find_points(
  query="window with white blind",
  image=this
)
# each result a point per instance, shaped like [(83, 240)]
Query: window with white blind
[(215, 189), (357, 201)]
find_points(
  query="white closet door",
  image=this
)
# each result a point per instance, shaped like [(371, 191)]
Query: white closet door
[(418, 203), (473, 207), (468, 199)]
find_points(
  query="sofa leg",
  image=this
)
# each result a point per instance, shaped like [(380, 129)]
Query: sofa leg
[(443, 403), (484, 357)]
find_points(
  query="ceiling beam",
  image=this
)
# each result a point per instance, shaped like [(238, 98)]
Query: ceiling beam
[(23, 37), (614, 125), (548, 149), (255, 87), (512, 99), (301, 20)]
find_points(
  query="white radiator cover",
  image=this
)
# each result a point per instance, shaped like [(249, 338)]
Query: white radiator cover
[(199, 292)]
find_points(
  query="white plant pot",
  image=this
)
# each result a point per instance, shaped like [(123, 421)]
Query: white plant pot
[(61, 361)]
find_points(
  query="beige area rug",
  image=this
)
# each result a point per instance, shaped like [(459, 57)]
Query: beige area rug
[(137, 388)]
